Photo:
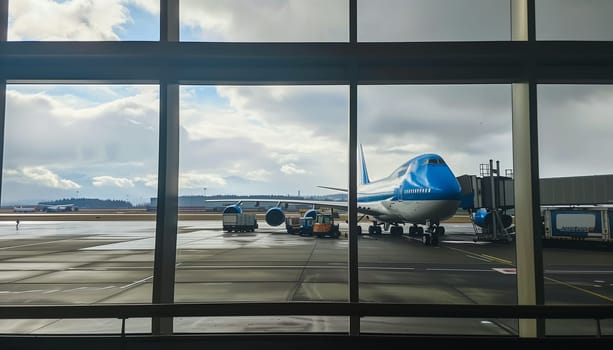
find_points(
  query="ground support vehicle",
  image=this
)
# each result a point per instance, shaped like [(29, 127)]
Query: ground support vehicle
[(292, 224), (593, 223), (324, 226), (299, 225), (239, 222)]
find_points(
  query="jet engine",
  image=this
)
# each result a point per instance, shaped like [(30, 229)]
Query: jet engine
[(232, 209), (311, 213), (275, 216), (484, 218)]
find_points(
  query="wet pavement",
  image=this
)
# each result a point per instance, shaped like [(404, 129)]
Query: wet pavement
[(101, 262)]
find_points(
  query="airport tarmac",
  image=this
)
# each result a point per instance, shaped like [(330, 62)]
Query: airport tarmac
[(101, 262)]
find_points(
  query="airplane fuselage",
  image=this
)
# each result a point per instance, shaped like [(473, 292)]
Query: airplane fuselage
[(423, 189)]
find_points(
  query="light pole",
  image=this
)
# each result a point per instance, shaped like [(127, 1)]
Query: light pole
[(204, 204)]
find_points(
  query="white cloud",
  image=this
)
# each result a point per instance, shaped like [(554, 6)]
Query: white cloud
[(68, 20), (40, 176), (291, 169), (99, 181), (148, 180), (68, 129), (260, 175), (151, 6), (266, 20), (254, 137), (199, 180)]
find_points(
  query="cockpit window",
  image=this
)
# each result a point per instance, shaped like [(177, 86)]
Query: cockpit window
[(399, 172), (434, 161)]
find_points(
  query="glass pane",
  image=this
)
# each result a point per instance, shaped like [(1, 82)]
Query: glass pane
[(77, 20), (574, 20), (433, 20), (265, 21), (80, 166), (576, 192), (419, 244), (269, 148)]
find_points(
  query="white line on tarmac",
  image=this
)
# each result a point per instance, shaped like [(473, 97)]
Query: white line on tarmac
[(31, 244), (136, 282), (461, 270)]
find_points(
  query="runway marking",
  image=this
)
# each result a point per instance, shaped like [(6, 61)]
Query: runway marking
[(598, 295), (478, 258), (136, 282), (604, 297), (570, 272), (483, 257), (506, 271), (504, 261), (187, 267), (31, 244), (21, 292), (461, 270), (53, 290), (466, 242)]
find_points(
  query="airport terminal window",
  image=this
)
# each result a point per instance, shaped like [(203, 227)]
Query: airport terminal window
[(574, 20), (573, 175), (80, 165), (264, 21), (86, 125), (433, 20), (268, 144), (77, 20), (465, 125)]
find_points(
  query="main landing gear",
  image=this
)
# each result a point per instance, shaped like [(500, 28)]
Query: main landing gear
[(374, 229), (429, 236), (394, 229)]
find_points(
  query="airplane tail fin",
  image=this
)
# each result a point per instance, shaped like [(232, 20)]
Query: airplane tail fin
[(365, 178)]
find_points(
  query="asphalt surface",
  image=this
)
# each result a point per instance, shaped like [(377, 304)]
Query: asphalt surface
[(92, 262)]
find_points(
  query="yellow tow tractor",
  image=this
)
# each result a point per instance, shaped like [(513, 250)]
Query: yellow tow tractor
[(324, 226)]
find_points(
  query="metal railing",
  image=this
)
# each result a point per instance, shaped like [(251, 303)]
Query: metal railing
[(126, 311)]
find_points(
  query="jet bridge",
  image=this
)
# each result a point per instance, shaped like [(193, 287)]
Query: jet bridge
[(487, 200)]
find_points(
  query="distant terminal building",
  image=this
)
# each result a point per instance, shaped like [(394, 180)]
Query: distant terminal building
[(577, 190)]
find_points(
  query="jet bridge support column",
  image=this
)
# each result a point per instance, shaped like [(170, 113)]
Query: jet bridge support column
[(493, 198)]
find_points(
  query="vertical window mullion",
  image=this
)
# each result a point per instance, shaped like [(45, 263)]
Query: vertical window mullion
[(168, 179)]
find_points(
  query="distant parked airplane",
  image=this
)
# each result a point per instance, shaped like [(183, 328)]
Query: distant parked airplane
[(59, 208), (21, 209)]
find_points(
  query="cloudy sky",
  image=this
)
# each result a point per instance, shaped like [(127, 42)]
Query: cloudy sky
[(101, 141)]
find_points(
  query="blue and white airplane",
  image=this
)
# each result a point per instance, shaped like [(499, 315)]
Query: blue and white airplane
[(422, 191)]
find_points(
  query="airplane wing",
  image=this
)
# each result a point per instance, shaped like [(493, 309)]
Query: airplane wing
[(334, 188), (342, 205)]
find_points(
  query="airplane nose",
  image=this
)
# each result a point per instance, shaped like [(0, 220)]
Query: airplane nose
[(444, 183)]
